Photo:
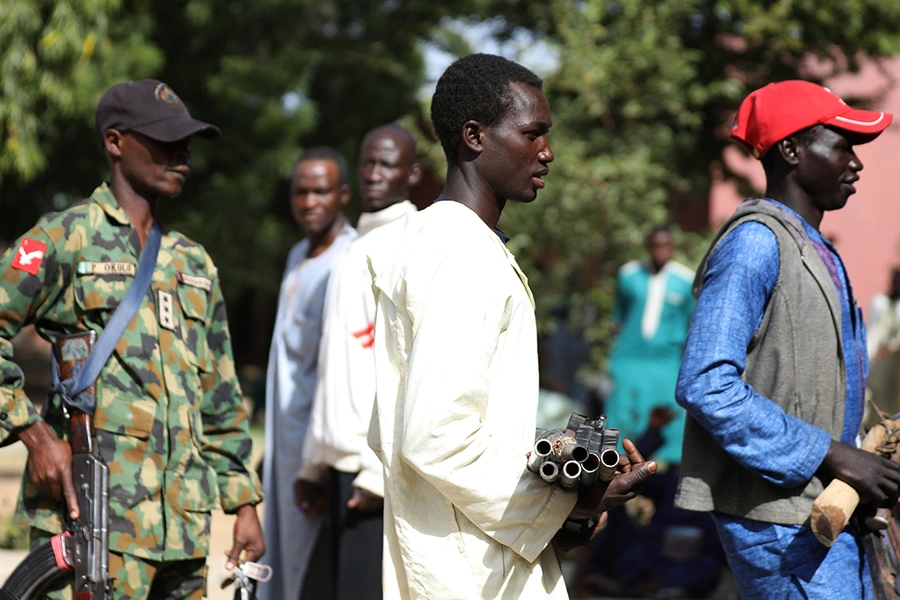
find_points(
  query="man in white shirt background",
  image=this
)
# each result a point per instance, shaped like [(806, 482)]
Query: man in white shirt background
[(340, 474)]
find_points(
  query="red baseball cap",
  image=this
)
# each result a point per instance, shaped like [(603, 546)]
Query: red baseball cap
[(772, 113)]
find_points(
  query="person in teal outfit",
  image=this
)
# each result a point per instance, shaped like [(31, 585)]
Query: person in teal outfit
[(652, 312)]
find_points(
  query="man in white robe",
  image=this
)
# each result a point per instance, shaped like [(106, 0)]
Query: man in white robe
[(456, 365)]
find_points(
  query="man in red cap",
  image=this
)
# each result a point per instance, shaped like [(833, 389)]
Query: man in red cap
[(774, 367), (169, 421)]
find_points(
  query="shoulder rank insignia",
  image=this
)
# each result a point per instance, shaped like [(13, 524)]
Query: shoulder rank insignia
[(166, 310)]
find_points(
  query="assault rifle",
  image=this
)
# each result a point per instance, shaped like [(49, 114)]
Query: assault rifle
[(84, 547)]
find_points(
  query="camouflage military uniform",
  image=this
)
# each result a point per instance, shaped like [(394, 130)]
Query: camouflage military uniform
[(169, 419)]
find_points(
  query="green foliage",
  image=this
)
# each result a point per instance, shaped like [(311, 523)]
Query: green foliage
[(641, 101), (12, 536), (627, 103), (641, 98), (276, 75), (56, 58)]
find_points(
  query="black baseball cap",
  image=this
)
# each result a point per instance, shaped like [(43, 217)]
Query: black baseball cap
[(151, 108)]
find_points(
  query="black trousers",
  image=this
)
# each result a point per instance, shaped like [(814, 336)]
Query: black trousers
[(357, 543)]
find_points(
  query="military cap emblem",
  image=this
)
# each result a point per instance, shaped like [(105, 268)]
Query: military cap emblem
[(165, 94)]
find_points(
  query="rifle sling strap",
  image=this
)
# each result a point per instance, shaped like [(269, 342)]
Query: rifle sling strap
[(85, 374)]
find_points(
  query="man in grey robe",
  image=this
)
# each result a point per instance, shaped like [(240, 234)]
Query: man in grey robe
[(319, 192)]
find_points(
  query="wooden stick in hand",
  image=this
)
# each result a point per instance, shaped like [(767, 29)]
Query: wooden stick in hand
[(832, 509)]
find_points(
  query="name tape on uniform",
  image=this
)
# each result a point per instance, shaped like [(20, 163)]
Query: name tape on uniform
[(193, 280), (87, 267)]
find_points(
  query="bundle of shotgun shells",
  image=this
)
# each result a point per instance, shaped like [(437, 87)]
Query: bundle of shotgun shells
[(581, 455)]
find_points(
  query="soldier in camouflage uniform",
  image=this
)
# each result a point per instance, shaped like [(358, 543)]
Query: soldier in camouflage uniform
[(169, 421)]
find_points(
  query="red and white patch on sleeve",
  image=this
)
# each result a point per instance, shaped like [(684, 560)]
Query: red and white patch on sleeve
[(365, 336), (29, 256)]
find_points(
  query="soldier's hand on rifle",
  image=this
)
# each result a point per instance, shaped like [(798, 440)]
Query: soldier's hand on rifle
[(599, 498), (311, 498), (248, 538), (874, 477), (50, 464), (365, 500)]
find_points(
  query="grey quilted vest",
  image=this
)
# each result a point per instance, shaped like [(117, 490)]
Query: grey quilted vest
[(795, 359)]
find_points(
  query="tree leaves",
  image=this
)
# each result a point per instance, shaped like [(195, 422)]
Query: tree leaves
[(641, 95)]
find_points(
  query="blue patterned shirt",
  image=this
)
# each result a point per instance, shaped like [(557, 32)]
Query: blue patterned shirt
[(753, 430)]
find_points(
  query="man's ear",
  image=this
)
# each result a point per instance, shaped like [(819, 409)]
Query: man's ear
[(473, 136), (112, 143), (344, 194), (415, 175), (788, 149)]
